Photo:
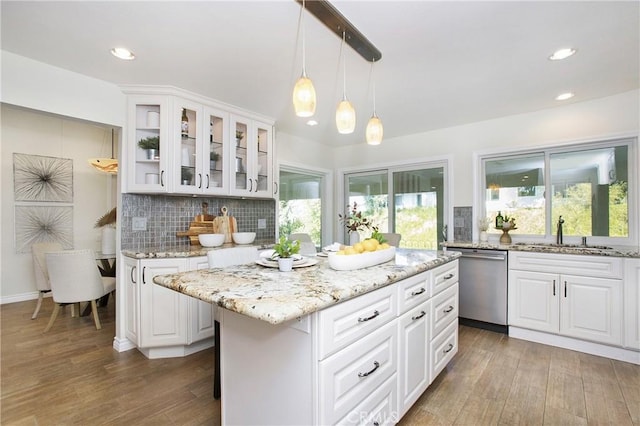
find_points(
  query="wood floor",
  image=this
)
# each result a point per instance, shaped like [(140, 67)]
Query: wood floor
[(72, 376)]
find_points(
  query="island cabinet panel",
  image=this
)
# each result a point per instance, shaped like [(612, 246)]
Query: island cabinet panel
[(632, 304), (363, 361), (132, 304), (202, 314)]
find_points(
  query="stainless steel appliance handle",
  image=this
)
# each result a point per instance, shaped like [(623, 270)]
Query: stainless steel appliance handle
[(484, 256)]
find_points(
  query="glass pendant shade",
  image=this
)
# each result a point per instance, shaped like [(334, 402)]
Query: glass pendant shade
[(345, 117), (304, 97), (374, 131)]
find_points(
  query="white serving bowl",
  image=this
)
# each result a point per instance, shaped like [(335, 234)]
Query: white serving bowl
[(243, 237), (211, 240), (362, 260)]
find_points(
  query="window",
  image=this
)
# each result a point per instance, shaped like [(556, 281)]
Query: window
[(587, 185), (408, 201), (300, 205)]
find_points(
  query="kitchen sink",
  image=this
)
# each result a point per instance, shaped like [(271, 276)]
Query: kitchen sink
[(576, 246)]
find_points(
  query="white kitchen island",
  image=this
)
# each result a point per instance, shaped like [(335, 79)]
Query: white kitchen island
[(319, 346)]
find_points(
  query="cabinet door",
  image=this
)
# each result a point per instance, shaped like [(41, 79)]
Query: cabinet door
[(148, 169), (413, 355), (240, 155), (163, 312), (202, 313), (187, 135), (132, 303), (533, 300), (252, 162), (591, 309), (632, 304), (262, 174), (215, 152)]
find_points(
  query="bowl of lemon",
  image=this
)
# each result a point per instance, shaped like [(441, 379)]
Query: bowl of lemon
[(366, 253)]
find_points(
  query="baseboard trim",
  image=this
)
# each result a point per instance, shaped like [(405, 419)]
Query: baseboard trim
[(23, 297), (592, 348), (123, 345), (177, 351)]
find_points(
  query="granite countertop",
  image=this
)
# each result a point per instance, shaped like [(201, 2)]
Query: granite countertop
[(186, 250), (612, 251), (276, 297)]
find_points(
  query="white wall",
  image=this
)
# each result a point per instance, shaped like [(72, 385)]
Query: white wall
[(295, 150), (602, 118)]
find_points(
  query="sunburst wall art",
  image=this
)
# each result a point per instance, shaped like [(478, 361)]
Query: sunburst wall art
[(35, 224), (40, 178)]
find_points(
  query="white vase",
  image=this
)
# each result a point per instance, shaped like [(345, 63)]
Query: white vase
[(108, 240), (285, 264), (484, 237), (354, 237)]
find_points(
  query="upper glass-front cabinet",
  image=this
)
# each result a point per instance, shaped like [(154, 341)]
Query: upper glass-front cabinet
[(252, 166), (149, 144)]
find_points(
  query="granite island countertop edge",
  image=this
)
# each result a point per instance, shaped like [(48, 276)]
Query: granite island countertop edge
[(276, 297)]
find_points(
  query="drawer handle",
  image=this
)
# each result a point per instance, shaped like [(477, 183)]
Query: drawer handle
[(422, 313), (376, 364), (448, 276), (415, 293), (446, 351), (376, 424), (375, 314), (133, 280), (449, 309)]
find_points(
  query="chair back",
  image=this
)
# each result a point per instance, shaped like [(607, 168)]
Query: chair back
[(74, 276), (307, 245), (392, 238), (302, 237), (38, 251), (231, 256)]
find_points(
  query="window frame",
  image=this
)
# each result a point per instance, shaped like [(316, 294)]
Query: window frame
[(633, 162)]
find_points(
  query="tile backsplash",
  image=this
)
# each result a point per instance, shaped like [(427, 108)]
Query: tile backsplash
[(167, 215), (463, 226)]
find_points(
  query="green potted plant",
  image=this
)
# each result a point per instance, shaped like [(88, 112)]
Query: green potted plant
[(283, 251), (239, 136), (151, 145), (213, 157), (354, 221)]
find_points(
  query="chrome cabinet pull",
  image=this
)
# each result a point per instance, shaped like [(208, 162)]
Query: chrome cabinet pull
[(276, 186), (449, 349), (449, 309), (376, 424), (200, 177), (144, 268), (448, 276), (250, 185), (133, 280), (376, 364), (207, 180), (415, 293), (162, 178), (375, 314), (422, 313), (554, 287)]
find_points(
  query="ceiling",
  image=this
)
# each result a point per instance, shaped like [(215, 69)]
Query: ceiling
[(443, 63)]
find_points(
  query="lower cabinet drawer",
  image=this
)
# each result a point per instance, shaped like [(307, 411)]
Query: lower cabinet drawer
[(379, 408), (444, 308), (347, 378), (443, 348)]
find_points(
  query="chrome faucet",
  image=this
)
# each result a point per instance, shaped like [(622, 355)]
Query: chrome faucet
[(559, 231)]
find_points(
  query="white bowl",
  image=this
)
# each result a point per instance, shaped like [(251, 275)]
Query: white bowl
[(211, 240), (362, 260), (243, 237)]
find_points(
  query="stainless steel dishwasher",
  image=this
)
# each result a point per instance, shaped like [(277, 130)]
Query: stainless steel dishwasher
[(483, 288)]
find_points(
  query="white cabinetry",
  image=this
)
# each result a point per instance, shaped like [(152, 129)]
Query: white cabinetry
[(161, 322), (198, 149), (362, 361), (576, 296), (632, 304)]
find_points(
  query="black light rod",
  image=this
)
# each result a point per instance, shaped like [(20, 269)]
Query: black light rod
[(337, 23)]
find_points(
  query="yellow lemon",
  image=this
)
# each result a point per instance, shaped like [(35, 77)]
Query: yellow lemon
[(385, 246), (350, 251), (340, 252), (358, 247), (370, 244)]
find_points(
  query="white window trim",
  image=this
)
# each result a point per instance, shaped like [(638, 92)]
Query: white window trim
[(561, 146)]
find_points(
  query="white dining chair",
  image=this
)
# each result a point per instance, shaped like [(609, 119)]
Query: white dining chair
[(307, 246), (38, 251), (75, 278), (393, 239)]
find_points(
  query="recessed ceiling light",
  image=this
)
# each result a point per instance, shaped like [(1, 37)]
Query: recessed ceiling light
[(312, 123), (122, 53), (564, 96), (561, 54)]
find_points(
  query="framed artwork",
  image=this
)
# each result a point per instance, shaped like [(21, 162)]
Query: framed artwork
[(35, 224), (40, 178)]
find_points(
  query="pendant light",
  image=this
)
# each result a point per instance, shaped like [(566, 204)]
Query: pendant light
[(374, 130), (345, 113), (304, 94), (107, 165)]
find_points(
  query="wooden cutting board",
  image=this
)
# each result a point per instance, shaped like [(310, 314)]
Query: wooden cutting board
[(205, 216), (225, 225)]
